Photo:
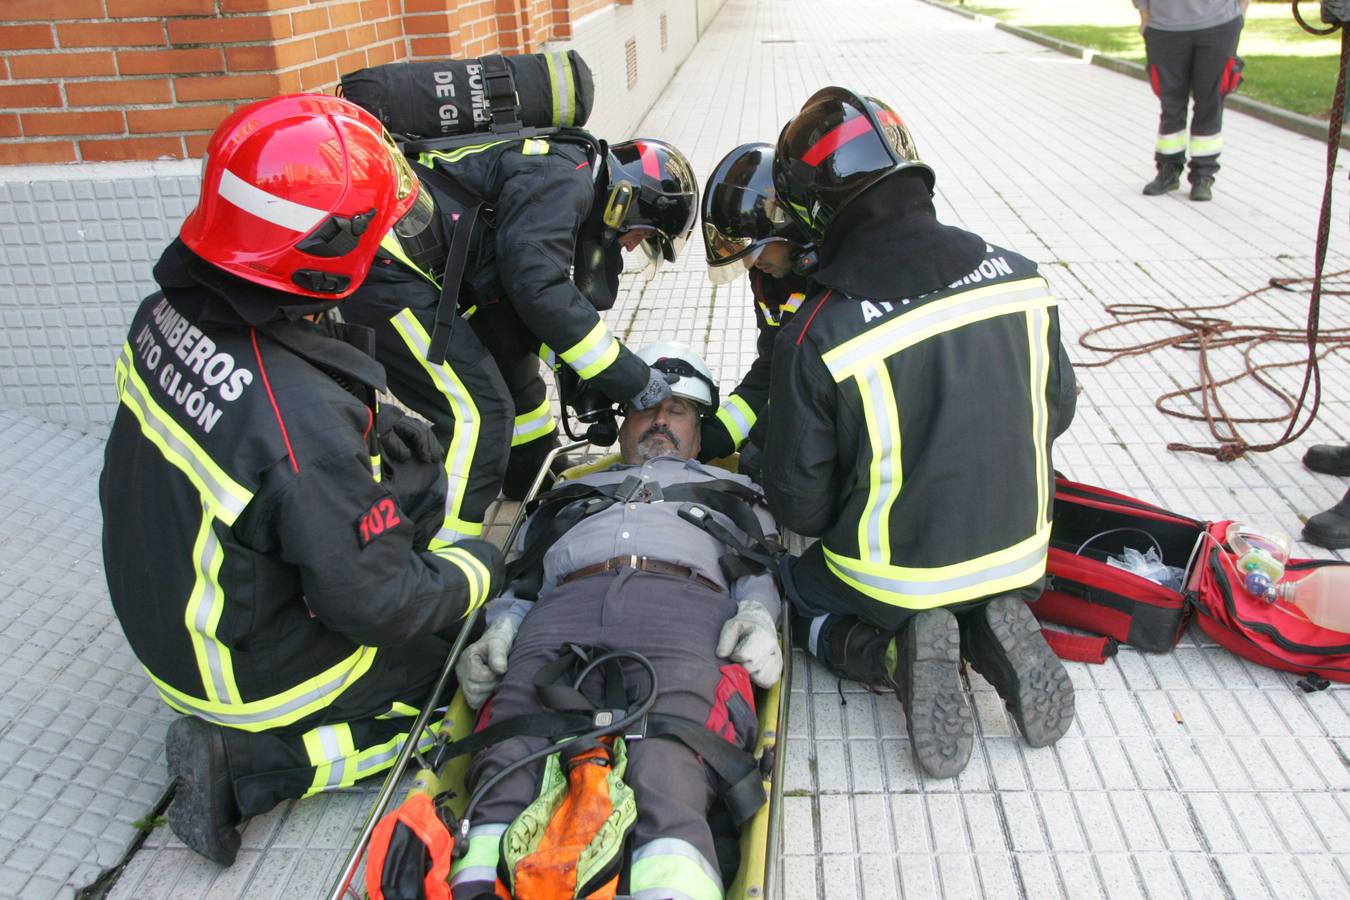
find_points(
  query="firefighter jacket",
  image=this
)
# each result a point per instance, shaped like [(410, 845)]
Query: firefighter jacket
[(541, 199), (914, 434), (776, 299), (254, 558)]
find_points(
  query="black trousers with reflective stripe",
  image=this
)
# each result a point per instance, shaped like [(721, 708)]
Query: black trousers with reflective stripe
[(271, 766), (675, 623), (1186, 64), (516, 351)]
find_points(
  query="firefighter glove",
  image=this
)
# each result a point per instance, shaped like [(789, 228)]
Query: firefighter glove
[(656, 392), (751, 639), (714, 440), (751, 463), (483, 664), (403, 438)]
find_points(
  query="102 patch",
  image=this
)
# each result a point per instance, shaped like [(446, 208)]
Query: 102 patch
[(380, 518)]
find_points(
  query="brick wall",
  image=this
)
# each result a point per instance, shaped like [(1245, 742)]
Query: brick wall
[(150, 79)]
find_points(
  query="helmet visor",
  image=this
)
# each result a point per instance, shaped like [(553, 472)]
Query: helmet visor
[(418, 217), (724, 273), (407, 181)]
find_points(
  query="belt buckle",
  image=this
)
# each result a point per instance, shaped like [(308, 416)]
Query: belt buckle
[(618, 562)]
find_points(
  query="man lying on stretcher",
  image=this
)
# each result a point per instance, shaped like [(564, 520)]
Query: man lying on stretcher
[(661, 556)]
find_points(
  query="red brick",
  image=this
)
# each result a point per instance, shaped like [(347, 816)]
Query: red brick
[(235, 29), (309, 21), (123, 92), (47, 124), (9, 125), (361, 37), (389, 29), (21, 96), (374, 9), (344, 14), (437, 25), (42, 10), (55, 65), (272, 56), (225, 87), (26, 37), (432, 48), (132, 148), (330, 44), (128, 9), (170, 62), (384, 53), (350, 62), (37, 152), (319, 77), (178, 118), (110, 34), (234, 6), (196, 145)]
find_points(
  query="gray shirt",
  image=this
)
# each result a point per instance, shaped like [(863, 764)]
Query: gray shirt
[(1188, 15), (652, 529)]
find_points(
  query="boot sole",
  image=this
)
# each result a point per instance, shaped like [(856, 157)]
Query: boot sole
[(1313, 536), (937, 714), (192, 815), (1007, 648), (1166, 190)]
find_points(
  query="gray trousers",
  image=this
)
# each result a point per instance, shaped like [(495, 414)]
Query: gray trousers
[(1191, 64), (675, 623)]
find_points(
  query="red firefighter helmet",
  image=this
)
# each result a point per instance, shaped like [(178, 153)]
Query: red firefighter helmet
[(297, 192), (838, 146)]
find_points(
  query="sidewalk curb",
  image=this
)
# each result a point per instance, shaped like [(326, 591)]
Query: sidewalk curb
[(1291, 121)]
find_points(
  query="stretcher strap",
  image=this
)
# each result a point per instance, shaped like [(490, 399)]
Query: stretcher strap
[(1088, 648)]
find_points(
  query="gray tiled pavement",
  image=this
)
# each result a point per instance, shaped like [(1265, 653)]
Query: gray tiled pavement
[(1192, 774)]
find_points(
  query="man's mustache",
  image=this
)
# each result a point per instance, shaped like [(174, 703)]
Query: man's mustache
[(660, 429)]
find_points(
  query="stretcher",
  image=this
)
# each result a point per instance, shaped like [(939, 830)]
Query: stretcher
[(444, 780)]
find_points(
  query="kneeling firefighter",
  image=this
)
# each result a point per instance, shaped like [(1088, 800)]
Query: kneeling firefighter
[(911, 430), (659, 562), (746, 230), (265, 524), (508, 220)]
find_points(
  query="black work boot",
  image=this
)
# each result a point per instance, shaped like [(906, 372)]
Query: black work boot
[(1167, 179), (1202, 188), (1328, 459), (1330, 529), (937, 713), (203, 813), (861, 652), (1003, 642)]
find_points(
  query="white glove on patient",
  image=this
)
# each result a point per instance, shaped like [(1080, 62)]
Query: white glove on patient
[(751, 638), (483, 664)]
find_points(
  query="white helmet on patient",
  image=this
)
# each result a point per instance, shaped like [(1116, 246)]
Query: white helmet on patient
[(695, 381)]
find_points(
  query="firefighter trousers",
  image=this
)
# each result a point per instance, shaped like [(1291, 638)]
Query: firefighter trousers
[(464, 398), (1192, 64), (358, 735), (675, 623)]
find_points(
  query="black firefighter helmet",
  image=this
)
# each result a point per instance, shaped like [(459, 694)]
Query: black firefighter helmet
[(651, 185), (741, 213), (838, 146)]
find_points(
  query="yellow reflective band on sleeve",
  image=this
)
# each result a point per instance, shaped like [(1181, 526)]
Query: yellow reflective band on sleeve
[(532, 425), (329, 747), (922, 588), (885, 473), (201, 616), (1038, 340), (390, 244), (280, 709), (737, 418), (672, 868), (1206, 144), (470, 311), (548, 357), (459, 457), (770, 318), (792, 304), (534, 147), (480, 863), (594, 353), (226, 496), (376, 467), (431, 157), (476, 574), (885, 340), (1168, 144)]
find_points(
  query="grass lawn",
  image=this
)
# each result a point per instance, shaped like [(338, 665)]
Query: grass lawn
[(1285, 66)]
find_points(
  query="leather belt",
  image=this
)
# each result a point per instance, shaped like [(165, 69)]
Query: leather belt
[(644, 564)]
